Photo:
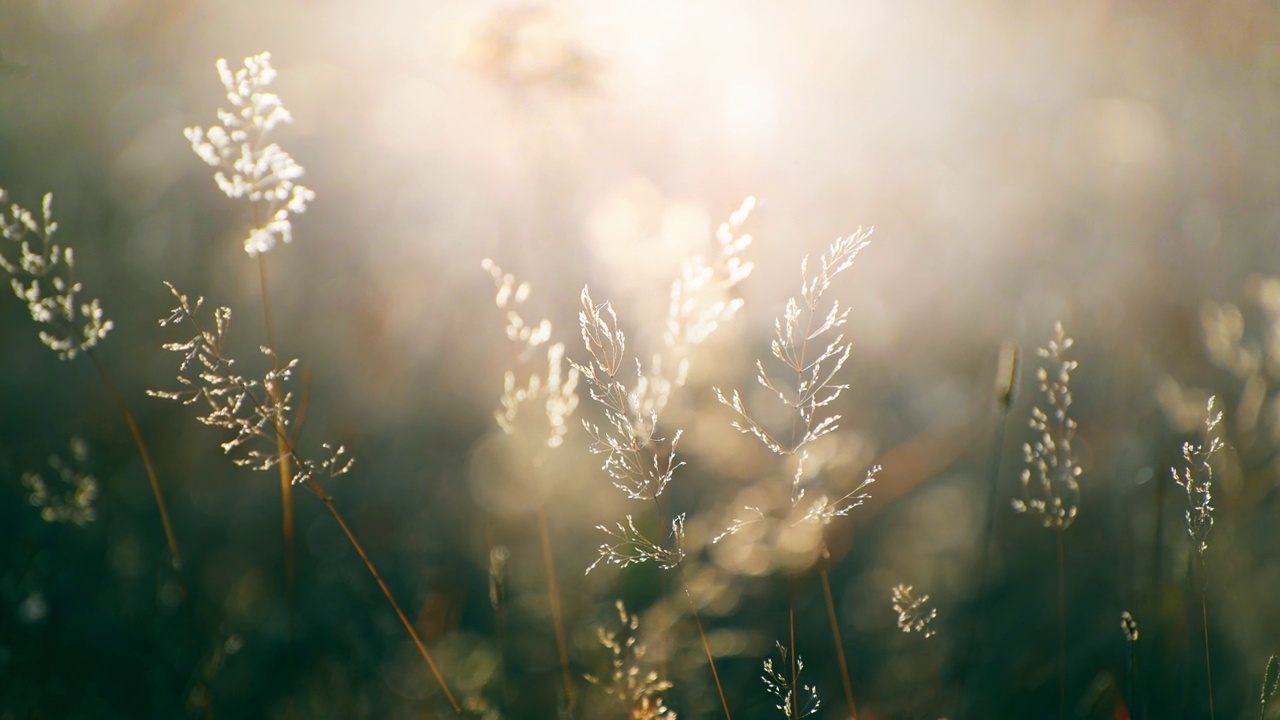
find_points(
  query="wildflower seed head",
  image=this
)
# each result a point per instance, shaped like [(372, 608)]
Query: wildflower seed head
[(705, 296), (256, 412), (636, 685), (75, 504), (805, 382), (247, 165), (527, 384), (1196, 478), (914, 613), (793, 704), (42, 274), (1270, 683), (639, 462), (1051, 489), (1129, 626), (808, 352), (629, 546)]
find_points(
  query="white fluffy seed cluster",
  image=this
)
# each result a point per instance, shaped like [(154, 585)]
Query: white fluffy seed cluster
[(248, 165)]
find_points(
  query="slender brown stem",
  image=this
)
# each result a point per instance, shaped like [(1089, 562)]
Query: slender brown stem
[(835, 635), (553, 597), (706, 647), (175, 556), (283, 452), (795, 672), (386, 591), (988, 534), (1204, 620), (171, 538), (1062, 630), (313, 483), (205, 703)]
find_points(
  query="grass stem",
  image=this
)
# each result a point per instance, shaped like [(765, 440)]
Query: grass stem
[(1004, 398), (835, 635), (706, 647), (794, 712), (1204, 621), (170, 537), (1062, 628), (315, 486), (283, 451), (553, 598)]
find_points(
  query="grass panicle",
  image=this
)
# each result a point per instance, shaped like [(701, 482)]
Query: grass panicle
[(795, 699), (805, 385), (811, 387), (536, 403), (914, 611), (1196, 479), (42, 274), (1050, 482), (635, 685), (248, 164), (730, 560), (251, 167), (74, 505), (1130, 628), (1270, 682), (639, 461), (546, 389), (258, 422)]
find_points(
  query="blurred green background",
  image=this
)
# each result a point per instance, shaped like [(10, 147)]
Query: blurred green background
[(1113, 165)]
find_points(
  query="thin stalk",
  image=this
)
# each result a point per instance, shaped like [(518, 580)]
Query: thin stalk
[(205, 702), (1130, 680), (553, 598), (988, 536), (314, 484), (318, 489), (1062, 629), (282, 451), (1157, 577), (706, 647), (175, 556), (1204, 620), (171, 538), (794, 712), (697, 617), (835, 635)]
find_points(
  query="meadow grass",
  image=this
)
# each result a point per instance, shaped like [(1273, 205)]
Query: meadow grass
[(674, 522)]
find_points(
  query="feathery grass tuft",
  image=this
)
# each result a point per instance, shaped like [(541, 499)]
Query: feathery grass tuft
[(795, 699), (256, 413), (914, 613), (635, 457), (636, 686), (74, 505), (43, 276), (248, 165), (1270, 682), (551, 397), (806, 386), (1054, 497), (1196, 479)]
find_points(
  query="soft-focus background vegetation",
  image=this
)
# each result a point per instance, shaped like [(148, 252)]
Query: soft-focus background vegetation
[(1110, 164)]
